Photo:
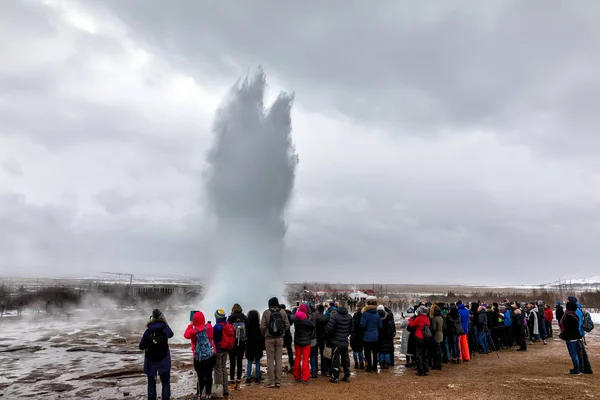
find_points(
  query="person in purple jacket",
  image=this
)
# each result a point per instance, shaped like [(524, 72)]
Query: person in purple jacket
[(157, 359)]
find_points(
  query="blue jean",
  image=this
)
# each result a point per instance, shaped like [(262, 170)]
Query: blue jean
[(385, 357), (358, 357), (453, 344), (165, 380), (314, 361), (576, 354), (475, 339), (543, 332), (256, 368), (483, 341)]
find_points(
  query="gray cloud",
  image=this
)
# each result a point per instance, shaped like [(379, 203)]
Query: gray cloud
[(419, 67), (444, 138)]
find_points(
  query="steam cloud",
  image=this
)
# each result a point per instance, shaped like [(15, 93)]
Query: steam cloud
[(249, 185)]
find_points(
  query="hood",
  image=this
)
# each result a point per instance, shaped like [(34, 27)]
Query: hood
[(199, 320), (357, 315), (303, 308), (370, 309), (156, 325), (160, 319), (461, 307), (437, 311), (342, 310), (273, 302), (300, 316), (382, 314)]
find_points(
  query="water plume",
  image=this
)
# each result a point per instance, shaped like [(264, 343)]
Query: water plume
[(249, 183)]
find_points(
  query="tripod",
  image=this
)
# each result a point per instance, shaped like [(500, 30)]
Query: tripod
[(491, 340)]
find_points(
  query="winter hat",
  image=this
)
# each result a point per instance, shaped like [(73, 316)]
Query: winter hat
[(572, 299), (502, 308), (380, 307), (558, 303), (199, 321), (540, 302), (421, 310), (156, 313), (220, 314), (273, 302), (331, 304), (571, 306), (300, 316)]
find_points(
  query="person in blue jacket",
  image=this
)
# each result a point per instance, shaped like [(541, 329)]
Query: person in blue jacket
[(370, 323), (587, 367), (509, 328), (463, 342), (157, 358)]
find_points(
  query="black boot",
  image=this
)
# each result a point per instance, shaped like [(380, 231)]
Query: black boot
[(355, 364)]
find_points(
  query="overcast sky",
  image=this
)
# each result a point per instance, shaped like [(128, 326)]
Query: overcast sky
[(444, 141)]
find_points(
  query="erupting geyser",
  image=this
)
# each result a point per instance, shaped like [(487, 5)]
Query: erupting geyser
[(249, 184)]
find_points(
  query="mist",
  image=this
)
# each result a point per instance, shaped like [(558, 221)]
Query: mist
[(249, 183)]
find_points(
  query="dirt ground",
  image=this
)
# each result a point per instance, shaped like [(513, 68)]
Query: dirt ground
[(541, 373)]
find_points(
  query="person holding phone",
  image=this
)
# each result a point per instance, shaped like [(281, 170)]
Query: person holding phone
[(157, 356)]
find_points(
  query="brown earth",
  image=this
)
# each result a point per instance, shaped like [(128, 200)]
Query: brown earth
[(541, 373)]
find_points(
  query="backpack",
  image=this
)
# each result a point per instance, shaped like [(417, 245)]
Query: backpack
[(240, 332), (588, 324), (276, 328), (157, 347), (427, 333), (458, 326), (228, 337), (204, 349)]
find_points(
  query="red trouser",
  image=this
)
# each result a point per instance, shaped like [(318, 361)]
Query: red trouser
[(463, 347), (302, 356)]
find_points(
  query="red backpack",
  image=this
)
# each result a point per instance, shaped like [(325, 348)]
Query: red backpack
[(228, 338)]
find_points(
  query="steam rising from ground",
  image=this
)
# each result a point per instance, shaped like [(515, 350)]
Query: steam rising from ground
[(252, 172)]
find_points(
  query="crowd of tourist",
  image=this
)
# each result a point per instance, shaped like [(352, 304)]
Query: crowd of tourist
[(323, 336)]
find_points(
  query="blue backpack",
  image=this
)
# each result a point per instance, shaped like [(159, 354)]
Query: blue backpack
[(204, 349)]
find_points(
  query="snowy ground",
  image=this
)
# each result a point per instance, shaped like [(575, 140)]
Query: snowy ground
[(89, 354)]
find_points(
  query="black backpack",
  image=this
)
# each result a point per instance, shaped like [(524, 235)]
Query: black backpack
[(276, 328), (157, 346)]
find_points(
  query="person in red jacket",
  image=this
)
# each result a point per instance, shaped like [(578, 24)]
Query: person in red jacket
[(418, 324), (204, 369), (548, 317)]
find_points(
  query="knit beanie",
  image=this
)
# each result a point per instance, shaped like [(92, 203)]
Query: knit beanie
[(572, 299), (220, 314)]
